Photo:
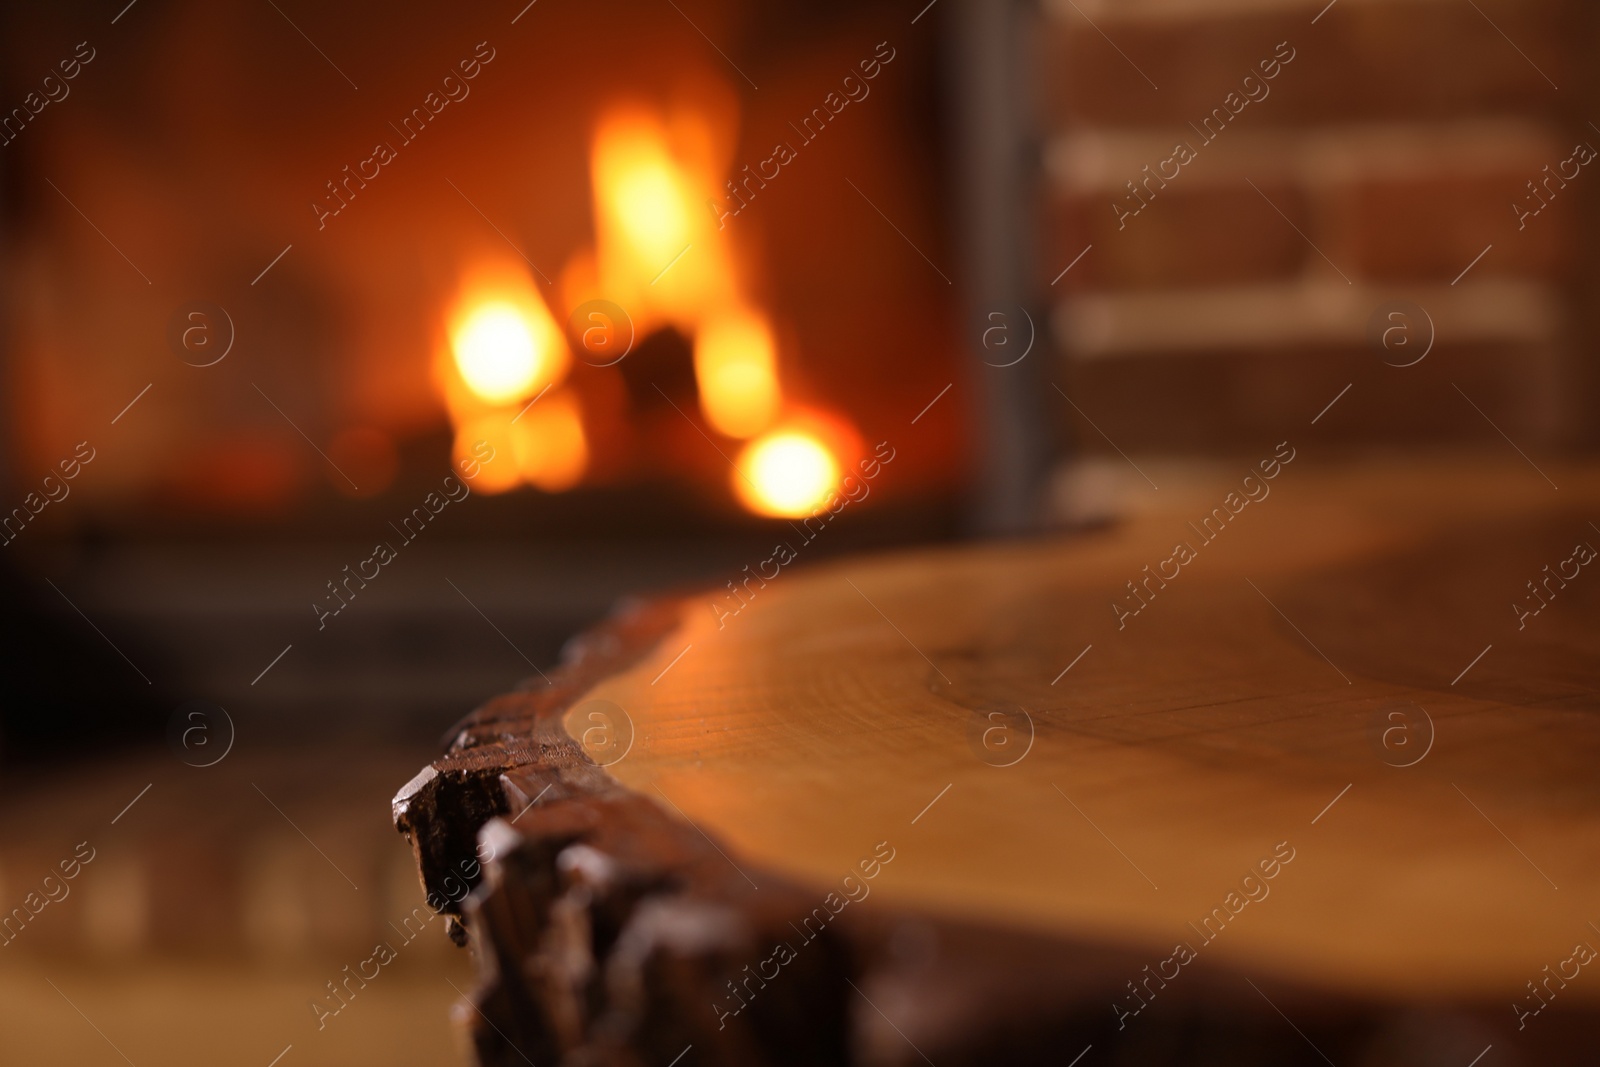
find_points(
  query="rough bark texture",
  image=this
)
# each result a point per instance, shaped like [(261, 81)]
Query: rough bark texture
[(606, 930), (683, 905)]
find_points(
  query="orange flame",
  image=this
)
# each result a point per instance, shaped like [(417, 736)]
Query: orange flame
[(505, 343), (736, 368), (786, 474), (658, 254), (548, 444), (506, 359)]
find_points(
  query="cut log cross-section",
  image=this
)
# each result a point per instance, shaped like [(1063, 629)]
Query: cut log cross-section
[(1294, 770)]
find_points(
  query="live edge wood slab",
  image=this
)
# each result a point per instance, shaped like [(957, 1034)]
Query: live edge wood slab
[(1322, 790)]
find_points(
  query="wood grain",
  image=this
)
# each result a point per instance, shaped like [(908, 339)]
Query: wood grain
[(1236, 724)]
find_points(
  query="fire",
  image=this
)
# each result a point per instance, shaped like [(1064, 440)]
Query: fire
[(658, 259), (502, 380), (651, 204), (504, 340), (658, 252), (548, 445), (495, 353), (499, 474), (736, 369), (786, 474)]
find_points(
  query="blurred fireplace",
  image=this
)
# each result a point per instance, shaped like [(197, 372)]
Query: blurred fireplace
[(412, 260), (281, 278), (387, 244), (791, 271)]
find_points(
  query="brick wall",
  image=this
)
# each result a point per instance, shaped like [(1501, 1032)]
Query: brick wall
[(1225, 297)]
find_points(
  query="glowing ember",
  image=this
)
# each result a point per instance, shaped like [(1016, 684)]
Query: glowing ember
[(785, 474), (736, 367)]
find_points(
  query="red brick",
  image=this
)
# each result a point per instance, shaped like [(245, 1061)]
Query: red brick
[(1362, 61), (1203, 236), (1236, 400), (1431, 228)]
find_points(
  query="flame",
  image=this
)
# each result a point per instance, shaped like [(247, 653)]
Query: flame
[(505, 343), (498, 473), (650, 203), (548, 443), (657, 250), (787, 473), (736, 368), (658, 255), (505, 348), (579, 281), (495, 353)]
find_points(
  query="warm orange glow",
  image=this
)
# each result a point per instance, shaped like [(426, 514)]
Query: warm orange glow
[(788, 474), (505, 343), (640, 189), (495, 353), (658, 259), (736, 368), (364, 455), (579, 283), (652, 207), (548, 443), (499, 473), (658, 253)]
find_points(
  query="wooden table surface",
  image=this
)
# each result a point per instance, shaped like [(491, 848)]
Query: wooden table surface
[(1190, 739), (1335, 689)]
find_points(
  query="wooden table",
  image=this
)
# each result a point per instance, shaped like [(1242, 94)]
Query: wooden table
[(1319, 788)]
